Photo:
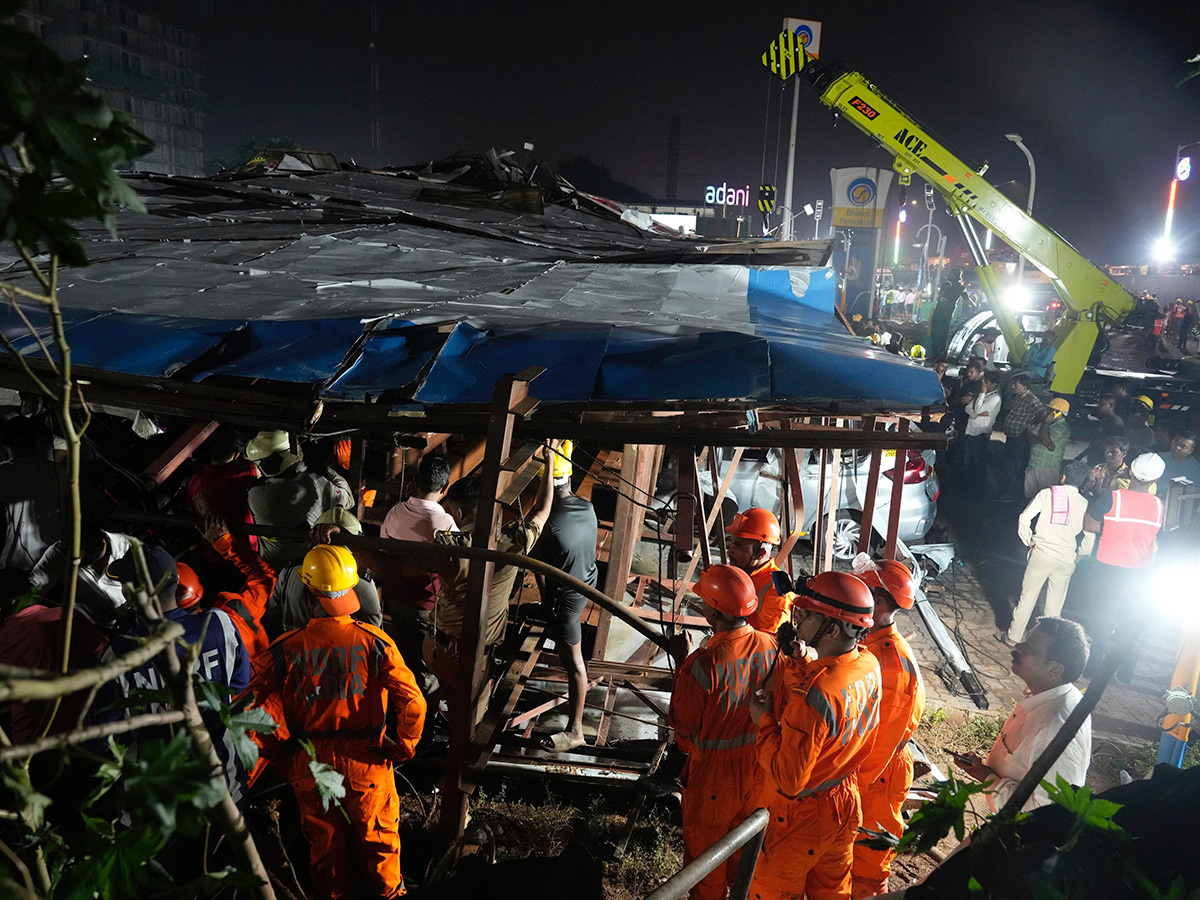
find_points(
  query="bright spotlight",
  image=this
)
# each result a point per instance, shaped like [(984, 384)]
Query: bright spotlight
[(1163, 249), (1017, 297), (1172, 587), (904, 215)]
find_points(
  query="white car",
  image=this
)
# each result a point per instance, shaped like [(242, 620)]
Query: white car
[(758, 481)]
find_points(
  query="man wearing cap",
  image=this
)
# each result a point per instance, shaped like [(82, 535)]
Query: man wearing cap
[(342, 685), (290, 607), (222, 658), (1046, 452), (1127, 522), (1137, 428), (813, 736), (886, 773), (290, 496), (1054, 547), (754, 539), (711, 718), (568, 542)]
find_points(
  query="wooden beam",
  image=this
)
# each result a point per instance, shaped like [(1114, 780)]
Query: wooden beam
[(791, 468), (682, 586), (819, 520), (639, 467), (835, 490), (893, 528), (179, 451), (509, 393), (867, 521), (358, 484)]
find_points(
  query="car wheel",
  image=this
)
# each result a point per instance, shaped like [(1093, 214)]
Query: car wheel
[(847, 529)]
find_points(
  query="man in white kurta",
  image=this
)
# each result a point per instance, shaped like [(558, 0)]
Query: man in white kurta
[(1049, 660), (1054, 546)]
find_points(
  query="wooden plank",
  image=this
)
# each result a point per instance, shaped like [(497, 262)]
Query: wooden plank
[(530, 715), (791, 468), (683, 586), (606, 715), (518, 482), (893, 529), (508, 393), (818, 536), (639, 466), (835, 489), (868, 510), (179, 451), (519, 457), (504, 700), (714, 468)]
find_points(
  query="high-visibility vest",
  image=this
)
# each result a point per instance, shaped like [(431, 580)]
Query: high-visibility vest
[(1130, 527)]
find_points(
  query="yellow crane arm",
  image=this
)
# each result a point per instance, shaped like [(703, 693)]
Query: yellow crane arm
[(1089, 295)]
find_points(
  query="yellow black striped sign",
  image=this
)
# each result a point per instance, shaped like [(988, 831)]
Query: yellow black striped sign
[(785, 56), (766, 197)]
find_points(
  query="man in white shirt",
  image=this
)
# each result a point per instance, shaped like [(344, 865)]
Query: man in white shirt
[(1051, 657), (1053, 547), (982, 411)]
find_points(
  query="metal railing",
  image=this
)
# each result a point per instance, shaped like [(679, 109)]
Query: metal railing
[(749, 833)]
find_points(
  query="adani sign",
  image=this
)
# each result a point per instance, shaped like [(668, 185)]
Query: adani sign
[(727, 196)]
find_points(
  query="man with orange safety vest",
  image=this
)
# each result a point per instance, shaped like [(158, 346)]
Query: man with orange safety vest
[(886, 774), (811, 741), (1128, 522), (342, 685), (754, 539), (712, 721)]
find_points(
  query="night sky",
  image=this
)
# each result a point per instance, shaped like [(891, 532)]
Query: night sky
[(1090, 87)]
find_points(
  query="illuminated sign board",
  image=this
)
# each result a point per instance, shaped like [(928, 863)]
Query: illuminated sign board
[(1183, 168), (727, 196)]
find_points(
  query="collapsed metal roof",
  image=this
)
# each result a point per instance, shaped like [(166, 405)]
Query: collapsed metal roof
[(422, 287)]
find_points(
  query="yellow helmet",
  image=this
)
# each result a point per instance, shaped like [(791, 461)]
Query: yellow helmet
[(1145, 400), (342, 518), (562, 468), (329, 569), (268, 443), (917, 352)]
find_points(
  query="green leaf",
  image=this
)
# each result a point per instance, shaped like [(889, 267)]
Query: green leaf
[(330, 784), (877, 840), (239, 718), (974, 886), (21, 796)]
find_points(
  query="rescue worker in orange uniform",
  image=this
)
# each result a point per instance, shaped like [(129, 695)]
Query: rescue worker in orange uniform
[(811, 742), (755, 538), (244, 607), (340, 683), (887, 773), (712, 722)]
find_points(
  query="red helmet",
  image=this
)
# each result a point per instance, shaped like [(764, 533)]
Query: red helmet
[(727, 589), (838, 595), (893, 576), (189, 591), (755, 524)]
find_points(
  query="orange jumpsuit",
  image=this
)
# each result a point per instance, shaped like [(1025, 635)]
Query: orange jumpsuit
[(887, 773), (337, 682), (773, 610), (246, 608), (713, 726), (825, 731)]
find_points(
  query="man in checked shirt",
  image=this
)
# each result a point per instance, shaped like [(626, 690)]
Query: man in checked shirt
[(1022, 417)]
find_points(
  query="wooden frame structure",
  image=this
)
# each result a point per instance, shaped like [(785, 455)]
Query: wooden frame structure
[(502, 440)]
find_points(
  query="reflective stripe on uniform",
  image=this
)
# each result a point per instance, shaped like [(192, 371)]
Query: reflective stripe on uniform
[(821, 704), (729, 743), (824, 786)]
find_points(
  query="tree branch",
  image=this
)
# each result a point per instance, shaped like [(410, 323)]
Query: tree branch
[(24, 364), (6, 288), (25, 689), (22, 869), (94, 732)]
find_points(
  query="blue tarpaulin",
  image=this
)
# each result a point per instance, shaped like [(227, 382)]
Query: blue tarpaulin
[(436, 304)]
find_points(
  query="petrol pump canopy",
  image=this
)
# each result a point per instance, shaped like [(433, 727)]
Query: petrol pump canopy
[(420, 289)]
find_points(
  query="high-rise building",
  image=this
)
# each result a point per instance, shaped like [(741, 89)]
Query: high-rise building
[(144, 64)]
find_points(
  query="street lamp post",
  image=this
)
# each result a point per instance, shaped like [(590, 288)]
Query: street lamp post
[(1016, 139), (1183, 171)]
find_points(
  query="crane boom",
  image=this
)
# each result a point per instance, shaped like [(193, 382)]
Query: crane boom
[(1089, 295)]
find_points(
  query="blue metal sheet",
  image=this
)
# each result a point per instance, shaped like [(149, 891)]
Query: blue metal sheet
[(472, 361), (841, 368), (645, 366), (303, 351), (393, 355), (153, 346), (775, 306)]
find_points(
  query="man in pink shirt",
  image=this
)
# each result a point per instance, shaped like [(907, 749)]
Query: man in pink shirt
[(408, 599)]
